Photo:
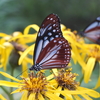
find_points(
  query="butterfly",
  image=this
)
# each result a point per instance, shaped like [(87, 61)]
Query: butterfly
[(52, 50), (92, 31)]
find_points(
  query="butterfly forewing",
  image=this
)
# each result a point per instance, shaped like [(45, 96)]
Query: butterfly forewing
[(56, 54), (92, 31), (49, 30)]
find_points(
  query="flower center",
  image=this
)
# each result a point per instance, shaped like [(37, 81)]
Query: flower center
[(36, 83), (66, 79), (95, 52)]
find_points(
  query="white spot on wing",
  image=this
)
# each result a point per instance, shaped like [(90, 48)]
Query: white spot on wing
[(56, 35), (45, 38), (54, 25), (54, 30), (49, 33), (55, 41), (60, 42), (48, 18), (51, 38), (54, 21), (51, 18)]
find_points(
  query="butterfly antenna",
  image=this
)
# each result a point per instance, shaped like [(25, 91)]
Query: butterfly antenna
[(21, 73)]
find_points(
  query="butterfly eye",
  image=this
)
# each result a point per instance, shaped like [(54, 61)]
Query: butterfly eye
[(51, 48)]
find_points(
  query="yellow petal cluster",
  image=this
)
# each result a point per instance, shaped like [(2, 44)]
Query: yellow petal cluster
[(37, 86)]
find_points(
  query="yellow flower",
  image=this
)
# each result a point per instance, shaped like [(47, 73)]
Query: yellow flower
[(39, 87), (67, 87), (85, 54), (5, 50), (76, 43), (66, 79), (60, 84), (13, 45), (33, 87), (92, 56), (94, 51), (2, 51)]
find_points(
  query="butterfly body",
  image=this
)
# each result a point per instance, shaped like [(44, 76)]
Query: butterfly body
[(52, 49), (92, 31)]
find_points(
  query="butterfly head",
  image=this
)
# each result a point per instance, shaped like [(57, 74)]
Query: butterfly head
[(36, 67)]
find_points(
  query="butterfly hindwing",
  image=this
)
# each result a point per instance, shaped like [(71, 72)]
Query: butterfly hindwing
[(92, 31), (56, 54), (49, 30)]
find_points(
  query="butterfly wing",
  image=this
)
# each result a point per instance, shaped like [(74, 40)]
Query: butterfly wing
[(92, 32), (56, 54), (49, 30)]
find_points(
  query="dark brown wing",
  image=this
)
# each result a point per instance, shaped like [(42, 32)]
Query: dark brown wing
[(92, 31), (49, 30), (56, 54)]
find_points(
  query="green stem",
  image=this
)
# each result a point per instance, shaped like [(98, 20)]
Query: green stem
[(11, 88), (81, 79), (12, 72), (9, 95)]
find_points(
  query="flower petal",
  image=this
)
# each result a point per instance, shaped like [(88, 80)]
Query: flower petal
[(2, 98), (34, 26), (89, 69), (93, 94), (22, 38), (24, 96), (68, 96), (98, 83), (40, 97), (3, 35), (52, 96), (31, 96), (9, 76), (86, 97), (2, 47), (55, 71), (9, 84), (59, 89), (77, 97), (25, 53), (16, 91), (50, 77), (24, 69), (90, 92)]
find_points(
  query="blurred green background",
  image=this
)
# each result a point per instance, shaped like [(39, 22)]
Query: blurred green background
[(15, 15)]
